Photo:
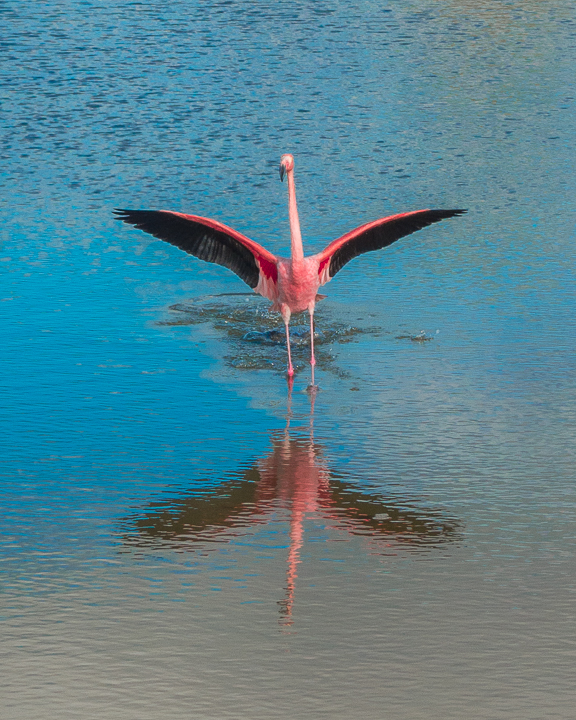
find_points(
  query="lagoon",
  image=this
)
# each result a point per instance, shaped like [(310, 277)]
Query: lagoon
[(181, 536)]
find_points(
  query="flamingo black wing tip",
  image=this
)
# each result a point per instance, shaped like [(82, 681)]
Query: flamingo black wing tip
[(432, 216), (127, 216), (444, 214), (139, 218), (123, 215)]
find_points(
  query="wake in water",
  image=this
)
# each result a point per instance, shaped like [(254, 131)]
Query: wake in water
[(258, 341)]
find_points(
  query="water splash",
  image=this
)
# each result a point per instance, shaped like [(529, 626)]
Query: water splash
[(258, 338)]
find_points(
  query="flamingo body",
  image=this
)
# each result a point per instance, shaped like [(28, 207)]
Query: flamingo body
[(298, 283), (290, 283)]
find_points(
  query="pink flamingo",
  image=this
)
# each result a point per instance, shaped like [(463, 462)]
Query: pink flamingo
[(290, 283)]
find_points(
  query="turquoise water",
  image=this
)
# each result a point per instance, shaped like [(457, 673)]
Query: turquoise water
[(182, 537)]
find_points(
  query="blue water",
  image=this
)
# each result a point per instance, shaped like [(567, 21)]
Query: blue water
[(181, 536)]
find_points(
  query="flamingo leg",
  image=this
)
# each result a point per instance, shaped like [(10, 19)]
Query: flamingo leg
[(290, 368), (312, 358), (285, 312)]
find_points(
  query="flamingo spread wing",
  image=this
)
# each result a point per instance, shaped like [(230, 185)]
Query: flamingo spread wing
[(291, 284), (211, 241), (375, 236)]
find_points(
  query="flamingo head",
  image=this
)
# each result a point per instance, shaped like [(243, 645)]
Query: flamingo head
[(286, 165)]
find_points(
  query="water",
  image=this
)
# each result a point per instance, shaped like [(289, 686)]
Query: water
[(181, 536)]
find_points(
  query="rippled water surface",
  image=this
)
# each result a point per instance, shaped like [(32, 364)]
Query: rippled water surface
[(183, 535)]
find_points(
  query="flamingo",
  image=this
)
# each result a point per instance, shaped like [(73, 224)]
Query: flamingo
[(290, 283)]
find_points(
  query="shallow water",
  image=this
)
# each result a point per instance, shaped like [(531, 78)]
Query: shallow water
[(183, 536)]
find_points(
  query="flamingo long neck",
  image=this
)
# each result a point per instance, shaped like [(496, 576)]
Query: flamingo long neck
[(295, 235)]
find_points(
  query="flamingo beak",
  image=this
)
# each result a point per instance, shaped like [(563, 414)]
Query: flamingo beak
[(282, 172)]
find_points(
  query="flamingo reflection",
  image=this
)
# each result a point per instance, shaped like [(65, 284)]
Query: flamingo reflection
[(296, 474), (293, 476)]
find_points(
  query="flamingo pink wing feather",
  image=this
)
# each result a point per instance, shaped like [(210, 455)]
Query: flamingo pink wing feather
[(375, 236), (208, 240)]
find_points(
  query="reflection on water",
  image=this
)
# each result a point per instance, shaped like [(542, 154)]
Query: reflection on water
[(293, 481)]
